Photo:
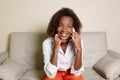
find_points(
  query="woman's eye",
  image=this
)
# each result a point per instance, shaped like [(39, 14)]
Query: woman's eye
[(59, 24), (69, 26)]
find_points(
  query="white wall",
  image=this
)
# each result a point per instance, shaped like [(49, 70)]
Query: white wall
[(34, 15)]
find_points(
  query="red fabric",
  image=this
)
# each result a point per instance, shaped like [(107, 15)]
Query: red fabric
[(65, 75)]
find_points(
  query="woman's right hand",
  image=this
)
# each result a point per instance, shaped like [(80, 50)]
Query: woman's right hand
[(57, 41)]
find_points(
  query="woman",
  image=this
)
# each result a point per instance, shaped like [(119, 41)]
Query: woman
[(62, 50)]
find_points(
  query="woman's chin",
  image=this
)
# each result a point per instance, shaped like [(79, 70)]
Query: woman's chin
[(64, 40)]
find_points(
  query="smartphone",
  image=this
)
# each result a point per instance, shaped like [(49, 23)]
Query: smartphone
[(72, 37), (73, 29)]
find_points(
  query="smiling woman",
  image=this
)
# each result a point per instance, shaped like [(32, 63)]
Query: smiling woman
[(64, 29), (63, 54)]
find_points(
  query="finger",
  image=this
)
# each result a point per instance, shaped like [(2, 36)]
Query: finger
[(56, 35), (76, 35)]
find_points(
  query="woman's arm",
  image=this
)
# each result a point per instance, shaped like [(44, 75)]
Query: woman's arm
[(77, 67), (78, 60), (78, 50), (49, 68), (57, 42)]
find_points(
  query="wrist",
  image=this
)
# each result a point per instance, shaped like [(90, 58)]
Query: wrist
[(56, 49), (78, 50)]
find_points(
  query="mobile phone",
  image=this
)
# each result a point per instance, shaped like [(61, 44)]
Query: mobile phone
[(73, 30)]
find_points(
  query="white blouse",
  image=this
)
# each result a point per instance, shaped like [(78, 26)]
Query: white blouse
[(65, 60)]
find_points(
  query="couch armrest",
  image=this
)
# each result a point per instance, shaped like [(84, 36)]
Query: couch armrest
[(3, 56), (114, 54)]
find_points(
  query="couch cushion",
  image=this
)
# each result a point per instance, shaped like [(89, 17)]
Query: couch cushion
[(108, 66), (33, 75), (116, 55), (12, 70), (90, 74), (3, 57), (26, 47), (94, 47), (118, 78)]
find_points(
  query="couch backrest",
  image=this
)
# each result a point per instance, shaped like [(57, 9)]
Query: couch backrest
[(94, 47), (26, 47)]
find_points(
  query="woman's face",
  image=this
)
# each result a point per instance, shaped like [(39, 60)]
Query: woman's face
[(64, 29)]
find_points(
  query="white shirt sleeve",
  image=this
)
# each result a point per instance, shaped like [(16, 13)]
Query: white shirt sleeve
[(78, 72), (49, 69)]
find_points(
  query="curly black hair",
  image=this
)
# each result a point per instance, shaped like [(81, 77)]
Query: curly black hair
[(55, 19)]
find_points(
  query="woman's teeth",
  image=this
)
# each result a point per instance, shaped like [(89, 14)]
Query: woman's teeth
[(63, 34)]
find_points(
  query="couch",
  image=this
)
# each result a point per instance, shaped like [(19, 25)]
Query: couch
[(24, 59)]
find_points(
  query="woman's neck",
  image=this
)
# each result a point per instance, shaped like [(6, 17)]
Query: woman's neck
[(64, 46)]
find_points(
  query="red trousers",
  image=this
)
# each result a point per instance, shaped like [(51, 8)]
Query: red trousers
[(65, 75)]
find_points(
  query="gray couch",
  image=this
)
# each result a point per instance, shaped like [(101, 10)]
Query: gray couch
[(24, 60)]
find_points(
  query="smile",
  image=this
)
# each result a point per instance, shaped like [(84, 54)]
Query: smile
[(64, 34)]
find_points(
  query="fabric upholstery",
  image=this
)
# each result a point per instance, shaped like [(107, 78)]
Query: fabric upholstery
[(26, 48), (94, 47), (107, 66), (3, 57), (118, 78), (90, 74), (115, 55), (12, 70), (33, 74)]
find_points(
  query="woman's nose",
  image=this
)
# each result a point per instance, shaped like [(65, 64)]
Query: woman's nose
[(64, 28)]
